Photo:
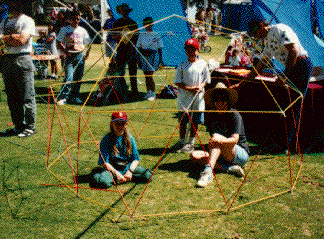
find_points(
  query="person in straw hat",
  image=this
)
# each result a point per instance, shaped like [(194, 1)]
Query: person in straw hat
[(126, 38), (228, 149)]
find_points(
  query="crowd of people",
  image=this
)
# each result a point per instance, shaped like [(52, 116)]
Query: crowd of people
[(227, 150)]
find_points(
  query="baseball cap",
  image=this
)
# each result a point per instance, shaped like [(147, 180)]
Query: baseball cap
[(192, 42), (118, 116)]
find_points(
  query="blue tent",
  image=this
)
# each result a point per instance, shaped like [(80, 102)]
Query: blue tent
[(173, 30), (297, 15)]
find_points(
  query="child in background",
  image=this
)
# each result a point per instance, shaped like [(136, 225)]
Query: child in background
[(228, 54), (235, 58), (191, 78), (51, 45), (119, 157), (202, 37), (246, 59), (150, 45)]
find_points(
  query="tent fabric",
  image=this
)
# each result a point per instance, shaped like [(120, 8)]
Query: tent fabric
[(296, 14), (319, 16), (173, 30)]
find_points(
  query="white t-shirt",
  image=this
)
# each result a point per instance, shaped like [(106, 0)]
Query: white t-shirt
[(149, 40), (20, 24), (279, 36), (74, 39), (192, 74)]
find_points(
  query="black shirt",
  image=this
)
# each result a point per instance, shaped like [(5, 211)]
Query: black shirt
[(119, 26), (227, 124)]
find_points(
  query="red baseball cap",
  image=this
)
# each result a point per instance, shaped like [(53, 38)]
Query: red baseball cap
[(118, 116), (192, 42)]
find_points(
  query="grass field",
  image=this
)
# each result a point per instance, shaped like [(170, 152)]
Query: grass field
[(38, 198)]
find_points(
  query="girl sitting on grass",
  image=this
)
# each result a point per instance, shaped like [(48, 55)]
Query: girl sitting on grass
[(118, 157)]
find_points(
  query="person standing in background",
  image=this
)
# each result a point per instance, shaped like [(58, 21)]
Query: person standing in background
[(17, 70)]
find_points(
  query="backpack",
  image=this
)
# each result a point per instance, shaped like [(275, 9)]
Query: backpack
[(168, 92)]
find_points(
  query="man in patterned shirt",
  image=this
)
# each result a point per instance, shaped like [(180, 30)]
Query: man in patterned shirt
[(282, 43)]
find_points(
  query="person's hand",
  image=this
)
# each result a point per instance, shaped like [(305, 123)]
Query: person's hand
[(194, 89), (128, 175), (280, 81), (215, 141), (120, 178), (161, 64)]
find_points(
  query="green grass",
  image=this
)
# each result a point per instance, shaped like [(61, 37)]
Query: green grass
[(171, 206)]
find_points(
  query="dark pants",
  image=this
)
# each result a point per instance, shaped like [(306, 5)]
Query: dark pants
[(18, 76), (128, 57), (299, 77)]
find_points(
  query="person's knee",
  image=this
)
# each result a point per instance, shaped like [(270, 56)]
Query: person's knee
[(100, 178)]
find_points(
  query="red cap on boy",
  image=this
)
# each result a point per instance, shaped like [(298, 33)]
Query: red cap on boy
[(192, 42), (118, 116)]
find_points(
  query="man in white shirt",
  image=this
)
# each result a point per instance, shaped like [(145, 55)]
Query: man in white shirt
[(72, 40), (17, 70), (282, 44)]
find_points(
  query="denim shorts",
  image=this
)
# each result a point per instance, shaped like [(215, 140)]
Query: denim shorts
[(197, 117), (241, 156)]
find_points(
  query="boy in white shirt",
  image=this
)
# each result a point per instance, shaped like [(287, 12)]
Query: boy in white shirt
[(191, 78)]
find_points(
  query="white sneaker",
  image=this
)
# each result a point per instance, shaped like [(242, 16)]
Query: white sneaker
[(61, 102), (206, 177), (236, 170), (188, 148), (151, 97), (148, 94)]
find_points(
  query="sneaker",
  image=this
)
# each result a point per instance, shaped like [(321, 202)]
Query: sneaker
[(178, 146), (61, 102), (9, 132), (148, 94), (206, 177), (188, 148), (151, 97), (236, 170), (26, 133)]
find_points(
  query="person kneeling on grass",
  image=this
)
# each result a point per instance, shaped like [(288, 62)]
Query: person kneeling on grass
[(228, 149), (118, 157)]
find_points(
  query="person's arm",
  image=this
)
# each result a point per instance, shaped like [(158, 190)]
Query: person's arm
[(191, 89), (220, 140), (160, 57), (50, 39), (16, 39), (129, 173), (62, 48), (135, 161), (292, 58), (119, 176)]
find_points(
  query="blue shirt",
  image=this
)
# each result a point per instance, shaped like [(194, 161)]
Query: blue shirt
[(122, 161)]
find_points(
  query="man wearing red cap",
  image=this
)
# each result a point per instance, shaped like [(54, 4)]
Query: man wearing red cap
[(191, 78)]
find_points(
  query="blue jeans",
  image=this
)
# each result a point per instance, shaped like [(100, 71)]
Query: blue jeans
[(102, 178), (74, 67), (241, 156)]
